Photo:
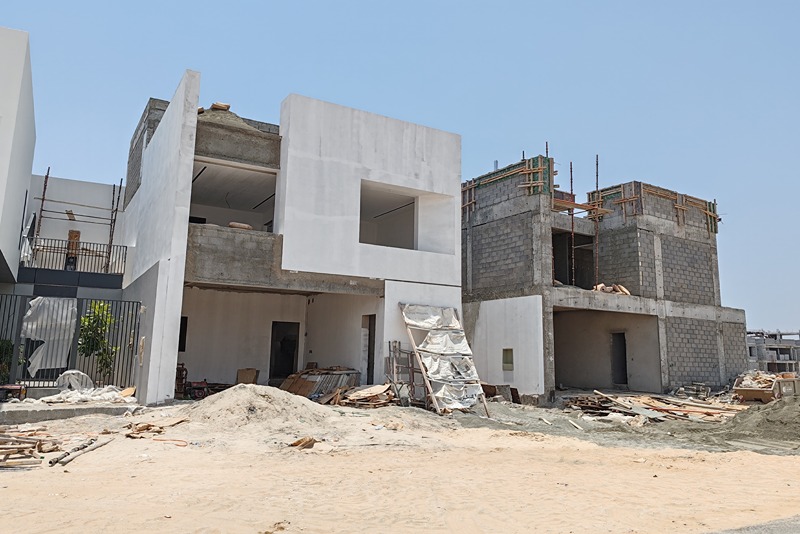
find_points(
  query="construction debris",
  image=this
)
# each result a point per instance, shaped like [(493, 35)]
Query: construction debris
[(654, 408), (150, 430), (761, 386), (363, 397), (617, 289), (316, 383), (18, 451)]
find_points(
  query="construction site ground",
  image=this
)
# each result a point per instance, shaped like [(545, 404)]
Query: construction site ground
[(229, 468)]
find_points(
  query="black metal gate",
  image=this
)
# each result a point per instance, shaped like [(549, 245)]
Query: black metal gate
[(41, 337)]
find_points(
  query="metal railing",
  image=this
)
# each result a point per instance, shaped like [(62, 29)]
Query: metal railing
[(64, 255), (41, 337)]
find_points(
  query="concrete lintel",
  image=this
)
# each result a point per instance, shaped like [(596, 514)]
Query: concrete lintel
[(583, 226), (570, 297), (509, 208)]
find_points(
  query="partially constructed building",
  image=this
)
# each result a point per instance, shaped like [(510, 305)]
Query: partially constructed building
[(233, 244), (774, 351), (531, 256)]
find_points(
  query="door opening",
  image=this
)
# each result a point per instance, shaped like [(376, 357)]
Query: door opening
[(283, 353), (619, 359), (368, 339)]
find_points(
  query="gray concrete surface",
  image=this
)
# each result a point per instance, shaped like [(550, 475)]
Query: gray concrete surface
[(20, 413)]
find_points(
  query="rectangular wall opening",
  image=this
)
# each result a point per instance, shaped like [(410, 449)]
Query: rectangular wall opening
[(508, 359), (283, 351), (368, 345), (619, 359), (606, 350), (583, 276), (387, 218)]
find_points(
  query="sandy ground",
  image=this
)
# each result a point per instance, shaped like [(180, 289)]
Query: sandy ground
[(390, 470)]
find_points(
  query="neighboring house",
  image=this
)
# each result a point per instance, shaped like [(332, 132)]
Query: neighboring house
[(774, 351), (530, 263)]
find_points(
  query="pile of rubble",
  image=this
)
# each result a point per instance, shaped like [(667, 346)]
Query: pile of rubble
[(363, 397), (653, 408), (762, 386)]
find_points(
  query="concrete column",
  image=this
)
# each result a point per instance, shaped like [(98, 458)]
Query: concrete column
[(662, 341), (659, 266)]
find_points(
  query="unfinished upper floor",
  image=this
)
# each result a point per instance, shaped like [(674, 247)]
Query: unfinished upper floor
[(330, 191), (522, 234)]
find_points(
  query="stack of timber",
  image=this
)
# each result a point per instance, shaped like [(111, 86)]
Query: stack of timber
[(617, 289), (655, 408), (364, 397), (315, 383), (21, 446)]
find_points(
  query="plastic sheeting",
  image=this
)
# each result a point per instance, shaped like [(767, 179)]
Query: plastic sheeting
[(51, 320), (430, 317), (446, 342), (448, 368), (445, 355), (457, 396)]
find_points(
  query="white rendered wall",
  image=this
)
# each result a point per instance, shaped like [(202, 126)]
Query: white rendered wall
[(229, 330), (146, 289), (334, 331), (514, 323), (390, 323), (326, 151), (156, 224), (17, 139), (60, 192)]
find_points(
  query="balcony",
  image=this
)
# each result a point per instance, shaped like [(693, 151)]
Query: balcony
[(77, 256)]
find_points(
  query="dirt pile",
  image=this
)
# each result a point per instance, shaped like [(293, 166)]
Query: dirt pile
[(779, 420), (246, 404)]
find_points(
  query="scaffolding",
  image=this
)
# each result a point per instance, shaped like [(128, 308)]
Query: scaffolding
[(68, 211)]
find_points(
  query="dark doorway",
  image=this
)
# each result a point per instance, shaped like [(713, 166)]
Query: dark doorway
[(368, 325), (619, 359), (283, 355)]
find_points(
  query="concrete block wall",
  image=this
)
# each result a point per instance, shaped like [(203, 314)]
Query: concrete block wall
[(618, 252), (500, 191), (502, 254), (692, 351), (688, 268), (648, 281), (734, 342)]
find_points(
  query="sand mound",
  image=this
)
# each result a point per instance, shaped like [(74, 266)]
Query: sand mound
[(247, 404), (778, 420)]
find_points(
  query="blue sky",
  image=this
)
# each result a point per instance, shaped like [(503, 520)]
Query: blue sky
[(701, 97)]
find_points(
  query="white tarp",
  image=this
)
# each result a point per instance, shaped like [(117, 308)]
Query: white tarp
[(447, 368), (456, 396), (446, 342), (446, 356), (430, 317), (51, 320)]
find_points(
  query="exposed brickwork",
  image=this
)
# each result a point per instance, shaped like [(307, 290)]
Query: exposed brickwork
[(502, 254), (619, 258), (500, 191), (647, 264), (692, 351), (688, 270), (735, 346)]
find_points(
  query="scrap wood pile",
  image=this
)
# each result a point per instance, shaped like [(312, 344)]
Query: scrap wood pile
[(315, 383), (22, 446), (762, 386), (365, 397), (654, 407), (618, 289)]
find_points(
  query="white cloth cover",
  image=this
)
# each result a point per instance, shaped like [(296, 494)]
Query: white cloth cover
[(446, 342), (430, 317), (51, 320)]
